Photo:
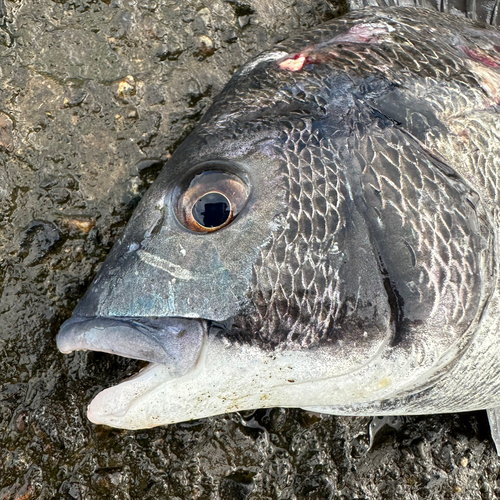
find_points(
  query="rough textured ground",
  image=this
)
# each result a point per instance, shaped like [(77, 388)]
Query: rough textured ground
[(94, 97)]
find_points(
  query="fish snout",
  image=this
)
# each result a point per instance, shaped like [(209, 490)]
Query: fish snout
[(174, 342)]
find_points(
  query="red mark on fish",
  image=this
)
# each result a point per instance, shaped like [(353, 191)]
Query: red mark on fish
[(478, 56), (367, 33), (294, 63)]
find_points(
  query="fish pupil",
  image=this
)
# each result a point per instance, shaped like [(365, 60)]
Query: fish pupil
[(212, 210)]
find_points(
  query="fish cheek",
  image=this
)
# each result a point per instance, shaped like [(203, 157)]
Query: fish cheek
[(316, 280), (176, 272)]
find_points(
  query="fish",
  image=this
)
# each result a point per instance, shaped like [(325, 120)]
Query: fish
[(326, 238)]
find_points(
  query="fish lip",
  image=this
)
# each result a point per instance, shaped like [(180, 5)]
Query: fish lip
[(175, 342)]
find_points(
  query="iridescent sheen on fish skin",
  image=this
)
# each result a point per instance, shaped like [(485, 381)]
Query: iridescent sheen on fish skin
[(359, 275)]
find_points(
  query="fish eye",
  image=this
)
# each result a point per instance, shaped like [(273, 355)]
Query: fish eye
[(212, 210), (211, 201)]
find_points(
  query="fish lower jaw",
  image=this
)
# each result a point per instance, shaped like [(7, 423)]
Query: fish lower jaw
[(230, 378)]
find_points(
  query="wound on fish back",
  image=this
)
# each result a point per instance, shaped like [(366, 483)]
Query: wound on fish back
[(295, 63), (480, 57)]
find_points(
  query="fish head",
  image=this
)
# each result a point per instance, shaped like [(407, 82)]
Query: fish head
[(287, 254), (230, 253), (183, 270)]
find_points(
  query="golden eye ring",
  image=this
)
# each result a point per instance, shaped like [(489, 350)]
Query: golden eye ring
[(211, 201), (210, 212)]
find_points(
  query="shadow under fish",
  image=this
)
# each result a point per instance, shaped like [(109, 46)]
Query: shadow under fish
[(326, 238)]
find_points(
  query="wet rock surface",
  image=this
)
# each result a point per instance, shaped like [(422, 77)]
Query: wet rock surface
[(94, 97)]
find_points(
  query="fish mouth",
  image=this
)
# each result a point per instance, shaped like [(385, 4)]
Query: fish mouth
[(174, 342), (172, 345), (194, 373)]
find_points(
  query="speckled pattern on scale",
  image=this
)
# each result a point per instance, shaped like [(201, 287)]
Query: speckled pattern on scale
[(408, 107)]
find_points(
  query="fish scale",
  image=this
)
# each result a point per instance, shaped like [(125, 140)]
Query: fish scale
[(459, 272), (356, 272), (277, 299), (298, 262)]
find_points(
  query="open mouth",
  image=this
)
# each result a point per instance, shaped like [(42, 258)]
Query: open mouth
[(193, 373), (172, 346)]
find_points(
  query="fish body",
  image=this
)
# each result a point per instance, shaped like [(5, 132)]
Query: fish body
[(326, 238)]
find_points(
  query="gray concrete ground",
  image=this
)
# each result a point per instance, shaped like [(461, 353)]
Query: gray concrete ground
[(94, 97)]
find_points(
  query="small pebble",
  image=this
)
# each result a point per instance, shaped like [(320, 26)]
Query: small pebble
[(126, 87)]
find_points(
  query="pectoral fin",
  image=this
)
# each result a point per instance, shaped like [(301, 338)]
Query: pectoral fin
[(494, 419)]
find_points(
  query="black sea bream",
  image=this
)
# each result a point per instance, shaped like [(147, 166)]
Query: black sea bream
[(326, 238)]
